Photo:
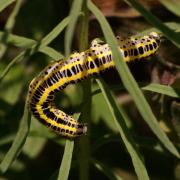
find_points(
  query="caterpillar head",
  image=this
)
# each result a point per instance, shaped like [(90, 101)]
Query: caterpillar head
[(154, 35)]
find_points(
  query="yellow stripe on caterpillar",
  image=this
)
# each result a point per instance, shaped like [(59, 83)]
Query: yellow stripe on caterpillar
[(77, 67)]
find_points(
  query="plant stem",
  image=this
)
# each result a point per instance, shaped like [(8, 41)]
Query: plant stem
[(84, 143)]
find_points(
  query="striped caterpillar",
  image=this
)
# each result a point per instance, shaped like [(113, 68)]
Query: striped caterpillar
[(77, 67)]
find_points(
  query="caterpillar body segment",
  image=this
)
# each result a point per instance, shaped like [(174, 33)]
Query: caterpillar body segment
[(77, 67)]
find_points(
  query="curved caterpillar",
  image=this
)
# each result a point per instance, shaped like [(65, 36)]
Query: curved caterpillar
[(77, 67)]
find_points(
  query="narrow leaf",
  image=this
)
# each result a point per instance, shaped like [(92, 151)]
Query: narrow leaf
[(5, 3), (74, 13), (172, 5), (158, 88), (67, 157), (18, 142), (66, 161), (55, 32), (16, 40), (169, 33), (106, 170), (11, 20), (129, 82), (35, 47), (119, 117), (84, 142), (55, 55), (162, 89)]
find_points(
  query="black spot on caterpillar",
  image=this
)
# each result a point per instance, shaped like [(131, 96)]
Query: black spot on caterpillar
[(79, 66)]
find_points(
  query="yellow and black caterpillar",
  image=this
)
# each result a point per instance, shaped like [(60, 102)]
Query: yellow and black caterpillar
[(77, 67)]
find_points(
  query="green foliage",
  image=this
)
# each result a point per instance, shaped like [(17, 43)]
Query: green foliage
[(5, 3), (112, 117), (119, 117), (66, 161), (173, 6), (18, 142), (130, 83)]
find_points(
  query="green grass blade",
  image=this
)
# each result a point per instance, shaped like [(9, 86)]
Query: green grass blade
[(55, 32), (5, 3), (67, 157), (66, 161), (151, 144), (35, 47), (9, 26), (23, 42), (172, 5), (55, 55), (158, 88), (74, 13), (162, 89), (173, 25), (7, 139), (23, 131), (47, 50), (169, 33), (19, 57), (129, 82), (119, 120), (17, 41), (84, 142), (11, 20), (106, 170), (18, 141)]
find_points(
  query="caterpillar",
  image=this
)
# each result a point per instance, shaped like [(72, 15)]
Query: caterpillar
[(77, 67)]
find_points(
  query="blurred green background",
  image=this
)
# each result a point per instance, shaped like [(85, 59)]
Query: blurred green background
[(43, 150)]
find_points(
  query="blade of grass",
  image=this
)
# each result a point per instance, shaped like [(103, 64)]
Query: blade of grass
[(11, 20), (172, 5), (36, 47), (173, 25), (129, 82), (169, 33), (18, 142), (67, 157), (19, 57), (74, 13), (119, 117), (46, 50), (151, 144), (106, 170), (18, 41), (55, 55), (162, 89), (158, 88), (23, 42), (9, 25), (55, 32), (66, 161), (5, 3), (7, 139), (84, 142)]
